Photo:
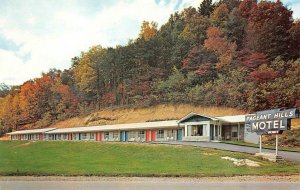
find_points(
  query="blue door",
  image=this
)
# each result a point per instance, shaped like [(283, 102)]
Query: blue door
[(126, 136), (179, 134), (122, 136)]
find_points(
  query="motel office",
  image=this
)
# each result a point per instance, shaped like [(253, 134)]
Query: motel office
[(192, 127)]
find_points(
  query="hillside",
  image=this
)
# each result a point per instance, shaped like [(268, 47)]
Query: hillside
[(154, 113)]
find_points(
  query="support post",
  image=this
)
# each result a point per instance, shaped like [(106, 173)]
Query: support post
[(214, 131), (260, 144), (185, 130), (276, 144), (220, 132), (238, 132)]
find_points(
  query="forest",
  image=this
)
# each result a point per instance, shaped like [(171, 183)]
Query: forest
[(232, 53)]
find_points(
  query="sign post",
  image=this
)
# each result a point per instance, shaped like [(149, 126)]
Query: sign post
[(260, 144), (276, 144), (271, 122)]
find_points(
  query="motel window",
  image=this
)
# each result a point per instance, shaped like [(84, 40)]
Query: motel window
[(141, 134), (59, 137), (115, 135), (75, 136), (64, 136), (83, 136), (106, 135), (197, 130), (171, 134), (131, 134), (160, 134), (234, 131), (50, 137), (92, 135)]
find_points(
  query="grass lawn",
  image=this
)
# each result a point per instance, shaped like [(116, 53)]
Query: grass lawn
[(126, 159), (264, 146)]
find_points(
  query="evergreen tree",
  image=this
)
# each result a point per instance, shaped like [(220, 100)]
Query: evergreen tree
[(206, 8)]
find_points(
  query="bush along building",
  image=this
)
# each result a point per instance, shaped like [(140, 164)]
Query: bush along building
[(192, 127)]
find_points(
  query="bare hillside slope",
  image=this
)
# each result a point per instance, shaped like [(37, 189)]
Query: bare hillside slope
[(131, 115)]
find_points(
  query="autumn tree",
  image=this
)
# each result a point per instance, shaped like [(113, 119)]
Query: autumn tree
[(271, 38), (148, 30), (89, 73), (246, 6), (220, 15), (235, 28), (195, 30), (263, 74), (295, 41), (251, 60), (218, 43)]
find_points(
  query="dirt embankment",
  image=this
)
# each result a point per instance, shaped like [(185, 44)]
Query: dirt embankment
[(132, 115)]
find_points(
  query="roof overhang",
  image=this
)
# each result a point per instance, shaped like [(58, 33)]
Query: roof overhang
[(119, 127), (192, 114), (32, 131)]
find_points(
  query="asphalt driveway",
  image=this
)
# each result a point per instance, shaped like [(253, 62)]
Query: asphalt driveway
[(286, 155)]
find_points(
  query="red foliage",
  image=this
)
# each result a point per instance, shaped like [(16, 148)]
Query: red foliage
[(203, 69), (267, 28), (187, 61), (109, 98), (297, 104), (252, 60), (262, 75), (246, 6)]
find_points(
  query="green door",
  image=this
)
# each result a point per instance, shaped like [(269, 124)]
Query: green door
[(179, 134), (212, 132)]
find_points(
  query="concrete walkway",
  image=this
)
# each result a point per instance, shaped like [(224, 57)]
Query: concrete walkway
[(286, 155)]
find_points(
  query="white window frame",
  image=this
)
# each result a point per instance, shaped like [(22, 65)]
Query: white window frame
[(115, 135), (83, 136), (106, 136), (141, 134), (132, 135), (160, 135)]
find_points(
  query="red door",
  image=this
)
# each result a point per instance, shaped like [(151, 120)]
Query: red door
[(153, 135), (147, 135), (100, 136)]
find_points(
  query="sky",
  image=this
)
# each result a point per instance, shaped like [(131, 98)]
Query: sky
[(37, 35)]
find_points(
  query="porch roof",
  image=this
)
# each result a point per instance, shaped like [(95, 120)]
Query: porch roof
[(232, 118), (192, 114)]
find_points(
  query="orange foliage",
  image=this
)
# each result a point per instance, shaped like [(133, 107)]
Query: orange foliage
[(220, 45), (148, 30)]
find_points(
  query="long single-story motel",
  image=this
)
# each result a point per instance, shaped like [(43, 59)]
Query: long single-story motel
[(192, 127)]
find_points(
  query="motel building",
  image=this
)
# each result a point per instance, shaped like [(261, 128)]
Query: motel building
[(192, 127)]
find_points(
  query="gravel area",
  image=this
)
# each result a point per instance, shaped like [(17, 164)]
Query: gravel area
[(291, 178)]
